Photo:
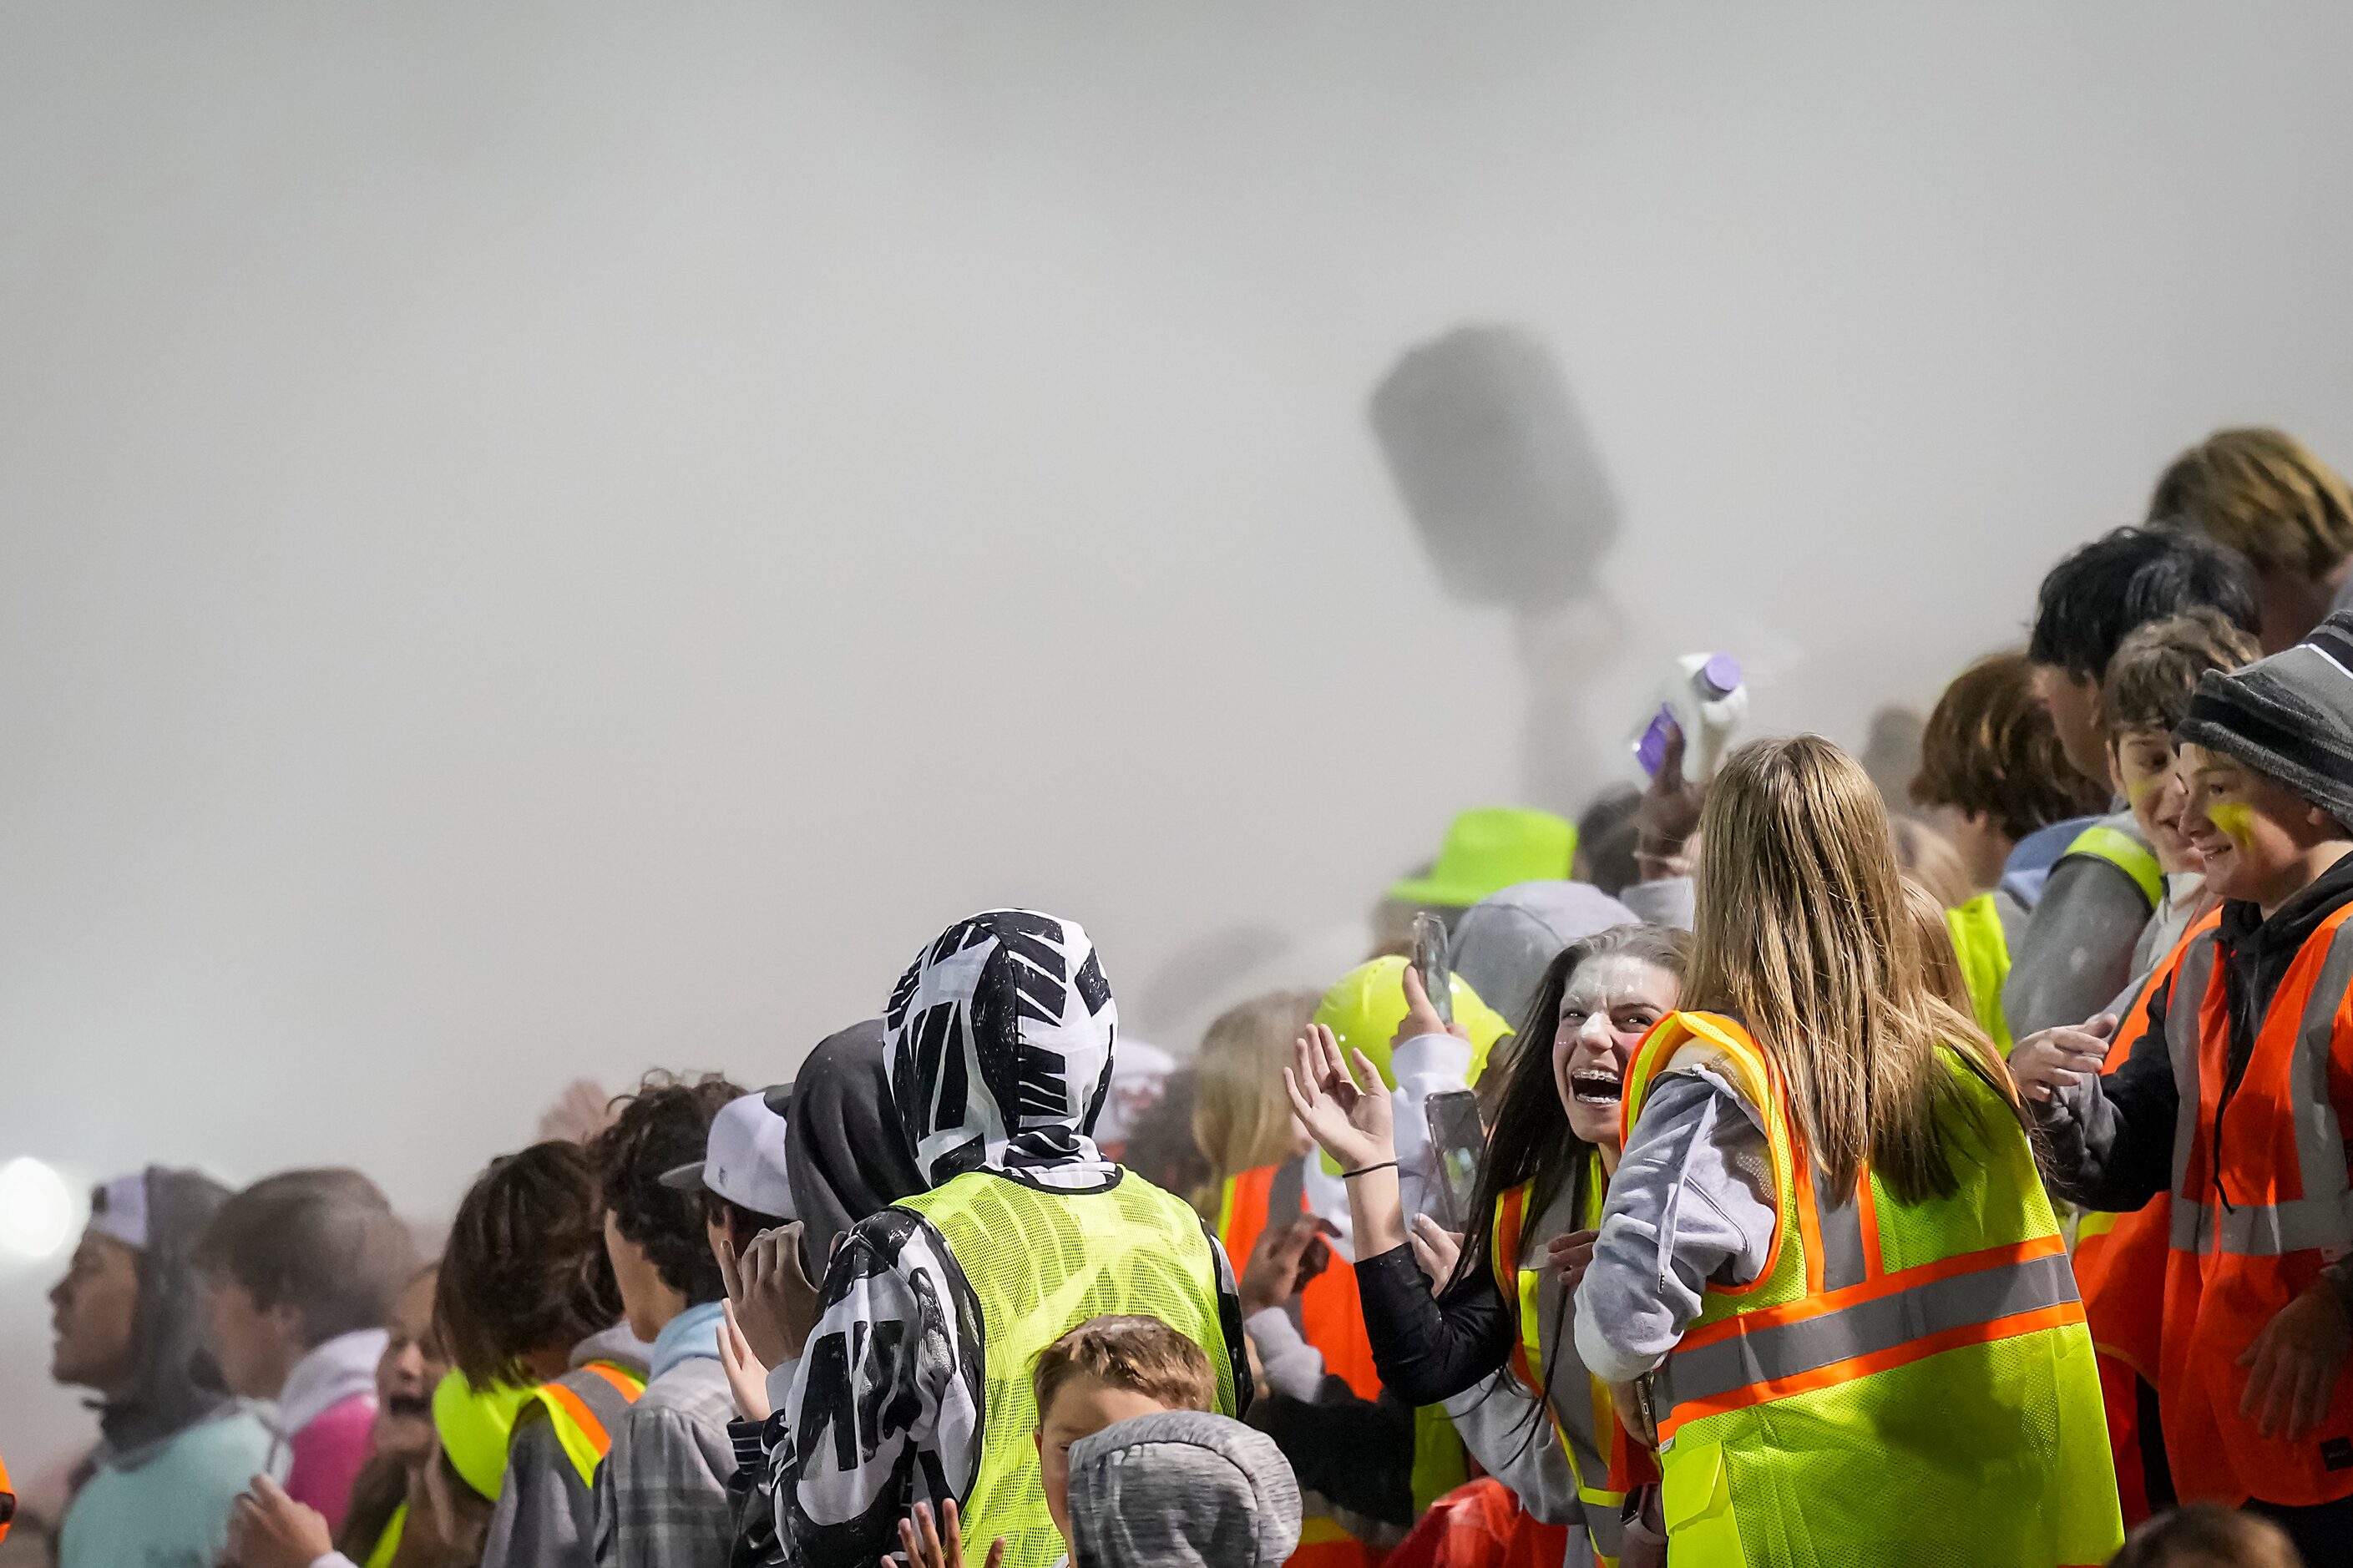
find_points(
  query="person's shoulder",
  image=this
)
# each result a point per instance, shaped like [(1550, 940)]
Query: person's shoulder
[(237, 1436), (694, 1391)]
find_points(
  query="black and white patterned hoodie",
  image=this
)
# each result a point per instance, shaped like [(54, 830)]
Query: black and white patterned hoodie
[(1000, 1038)]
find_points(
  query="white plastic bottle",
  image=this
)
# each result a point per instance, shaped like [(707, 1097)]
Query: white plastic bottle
[(1706, 701)]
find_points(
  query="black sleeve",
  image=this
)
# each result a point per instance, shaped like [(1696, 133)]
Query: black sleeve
[(1429, 1348), (2107, 1143), (1357, 1453)]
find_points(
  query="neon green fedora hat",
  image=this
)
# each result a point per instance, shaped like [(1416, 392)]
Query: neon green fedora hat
[(1488, 849)]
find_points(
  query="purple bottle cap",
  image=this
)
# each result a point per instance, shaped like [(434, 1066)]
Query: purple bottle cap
[(1721, 674)]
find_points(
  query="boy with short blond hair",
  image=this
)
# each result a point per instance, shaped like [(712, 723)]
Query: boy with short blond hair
[(2235, 1097), (1105, 1371)]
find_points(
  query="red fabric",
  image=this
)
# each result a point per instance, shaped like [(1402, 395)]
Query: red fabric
[(328, 1454), (1481, 1524)]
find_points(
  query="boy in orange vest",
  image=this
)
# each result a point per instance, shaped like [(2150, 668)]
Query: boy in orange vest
[(2236, 1099)]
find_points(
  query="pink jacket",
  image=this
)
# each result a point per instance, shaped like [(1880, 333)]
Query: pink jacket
[(327, 1411)]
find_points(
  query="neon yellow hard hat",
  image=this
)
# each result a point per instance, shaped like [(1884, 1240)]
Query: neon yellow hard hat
[(474, 1424), (1369, 1003)]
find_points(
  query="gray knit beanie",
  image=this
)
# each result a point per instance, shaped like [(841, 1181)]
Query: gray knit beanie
[(2289, 717)]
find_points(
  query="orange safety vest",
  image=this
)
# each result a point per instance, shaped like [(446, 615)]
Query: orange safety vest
[(2120, 1270), (1607, 1463), (2261, 1202), (1332, 1319)]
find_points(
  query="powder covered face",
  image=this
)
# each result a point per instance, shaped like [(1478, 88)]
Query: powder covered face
[(1610, 1003), (2254, 835)]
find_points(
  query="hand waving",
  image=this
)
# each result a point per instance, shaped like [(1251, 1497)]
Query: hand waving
[(1348, 1120)]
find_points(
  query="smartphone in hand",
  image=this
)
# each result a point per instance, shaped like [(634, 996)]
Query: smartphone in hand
[(1430, 959)]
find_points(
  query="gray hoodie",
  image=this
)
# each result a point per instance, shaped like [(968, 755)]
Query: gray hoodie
[(1503, 942), (1181, 1488)]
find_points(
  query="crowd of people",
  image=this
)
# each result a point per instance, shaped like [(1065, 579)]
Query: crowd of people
[(1774, 1173)]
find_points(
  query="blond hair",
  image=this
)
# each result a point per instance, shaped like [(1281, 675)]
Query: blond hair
[(1940, 961), (1803, 933), (2263, 494), (1141, 1355), (1241, 1118)]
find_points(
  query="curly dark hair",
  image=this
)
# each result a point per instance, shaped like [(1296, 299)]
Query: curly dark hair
[(665, 1125), (526, 1271)]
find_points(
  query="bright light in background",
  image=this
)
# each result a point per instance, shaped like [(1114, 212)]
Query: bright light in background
[(36, 1209)]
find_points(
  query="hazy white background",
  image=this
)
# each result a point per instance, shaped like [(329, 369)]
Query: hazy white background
[(567, 537)]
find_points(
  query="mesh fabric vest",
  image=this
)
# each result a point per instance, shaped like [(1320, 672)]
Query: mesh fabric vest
[(1040, 1264), (1903, 1382), (1983, 950)]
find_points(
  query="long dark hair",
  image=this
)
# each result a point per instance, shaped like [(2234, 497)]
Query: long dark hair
[(1531, 1140)]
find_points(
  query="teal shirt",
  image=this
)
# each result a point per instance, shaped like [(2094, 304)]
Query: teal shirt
[(166, 1506)]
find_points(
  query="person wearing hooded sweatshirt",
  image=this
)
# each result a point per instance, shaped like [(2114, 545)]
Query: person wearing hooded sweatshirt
[(1182, 1489), (2234, 1096), (174, 1449), (914, 1386), (845, 1151)]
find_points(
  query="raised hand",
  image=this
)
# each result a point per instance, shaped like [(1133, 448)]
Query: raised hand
[(1282, 1262), (924, 1545), (1346, 1114), (775, 1303), (747, 1379)]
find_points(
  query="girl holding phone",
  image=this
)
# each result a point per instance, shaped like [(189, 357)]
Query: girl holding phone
[(1504, 1308)]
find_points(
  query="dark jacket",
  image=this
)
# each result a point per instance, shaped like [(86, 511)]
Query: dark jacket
[(2109, 1141)]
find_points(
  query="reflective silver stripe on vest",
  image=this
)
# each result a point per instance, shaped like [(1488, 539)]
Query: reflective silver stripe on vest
[(2190, 977), (1883, 1324), (1842, 1232), (2323, 1218), (1605, 1522), (1572, 1415)]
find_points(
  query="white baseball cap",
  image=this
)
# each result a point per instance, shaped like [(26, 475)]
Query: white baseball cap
[(743, 1160)]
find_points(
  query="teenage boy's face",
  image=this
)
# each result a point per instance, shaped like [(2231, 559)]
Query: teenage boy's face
[(256, 1346), (2254, 835), (2074, 705), (2148, 770), (1082, 1406)]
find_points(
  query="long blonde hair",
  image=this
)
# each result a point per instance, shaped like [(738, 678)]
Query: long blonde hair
[(1241, 1118), (1803, 933)]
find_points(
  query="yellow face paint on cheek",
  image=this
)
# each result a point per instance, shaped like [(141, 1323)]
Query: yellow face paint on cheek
[(2235, 820), (2137, 788)]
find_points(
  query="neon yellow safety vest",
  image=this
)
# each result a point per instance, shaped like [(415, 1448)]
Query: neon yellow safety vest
[(1904, 1383), (2128, 854), (1040, 1264), (388, 1545), (1983, 949), (583, 1406)]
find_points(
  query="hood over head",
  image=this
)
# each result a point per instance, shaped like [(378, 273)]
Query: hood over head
[(1181, 1488), (1503, 942), (1001, 1037), (845, 1153), (178, 1384)]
